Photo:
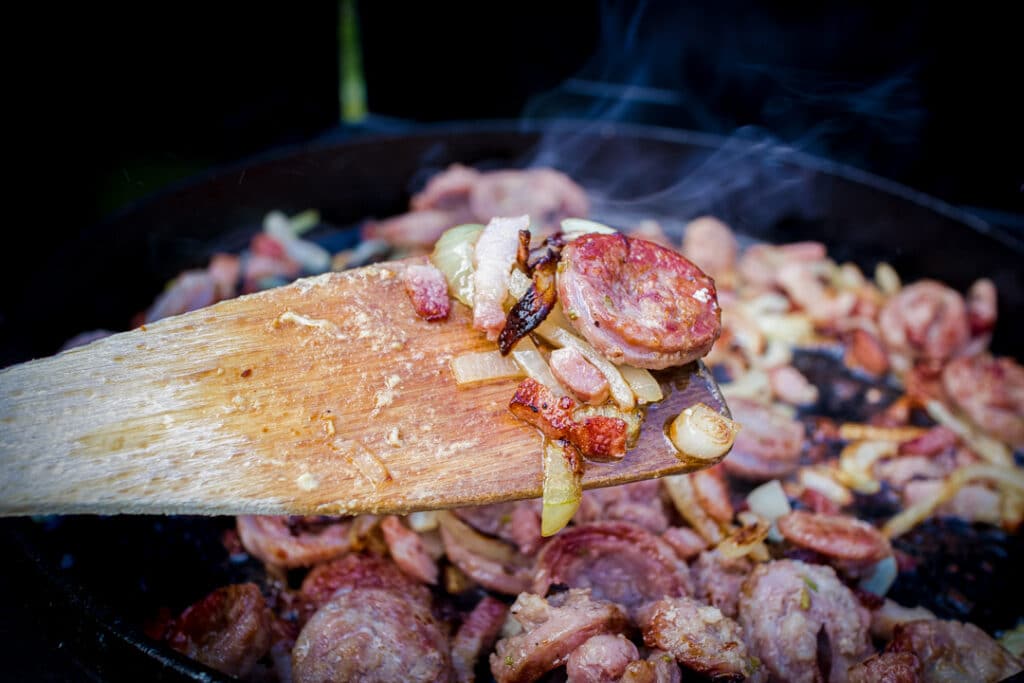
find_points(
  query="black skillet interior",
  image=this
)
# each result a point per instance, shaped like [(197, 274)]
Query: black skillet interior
[(95, 581)]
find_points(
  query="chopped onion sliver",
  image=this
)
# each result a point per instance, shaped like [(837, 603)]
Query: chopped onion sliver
[(752, 384), (984, 445), (684, 498), (746, 540), (855, 431), (483, 366), (312, 257), (881, 576), (887, 279), (518, 283), (621, 392), (822, 480), (857, 460), (701, 432), (453, 256), (422, 521), (577, 227), (642, 382), (525, 353), (1007, 479), (563, 488), (769, 501)]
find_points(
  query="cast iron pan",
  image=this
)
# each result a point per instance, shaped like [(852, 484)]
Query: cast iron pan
[(93, 582)]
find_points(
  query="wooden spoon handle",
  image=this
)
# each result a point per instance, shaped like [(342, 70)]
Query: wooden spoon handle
[(328, 396)]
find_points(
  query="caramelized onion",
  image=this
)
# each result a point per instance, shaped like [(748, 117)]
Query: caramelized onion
[(453, 256), (702, 433), (483, 366), (563, 486)]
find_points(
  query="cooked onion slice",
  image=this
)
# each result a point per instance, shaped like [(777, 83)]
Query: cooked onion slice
[(881, 577), (857, 460), (621, 392), (1009, 480), (684, 498), (563, 486), (746, 540), (701, 432), (823, 480), (483, 366), (453, 256), (984, 445), (855, 431), (525, 353), (577, 227), (642, 382), (769, 501), (518, 283), (887, 279)]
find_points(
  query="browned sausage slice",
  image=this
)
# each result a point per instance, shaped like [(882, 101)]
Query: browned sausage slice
[(617, 561), (637, 302), (372, 634), (838, 536)]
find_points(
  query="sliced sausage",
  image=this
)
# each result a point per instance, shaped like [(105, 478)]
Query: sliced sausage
[(991, 391), (710, 244), (578, 375), (954, 651), (802, 623), (718, 580), (476, 635), (602, 659), (548, 196), (636, 302), (291, 542), (371, 634), (699, 636), (447, 191), (687, 543), (888, 667), (552, 630), (407, 550), (617, 561), (639, 503), (926, 320), (358, 571), (229, 629), (768, 444), (837, 536)]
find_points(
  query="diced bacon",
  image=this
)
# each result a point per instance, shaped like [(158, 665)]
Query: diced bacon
[(493, 257), (407, 550), (428, 291), (597, 437)]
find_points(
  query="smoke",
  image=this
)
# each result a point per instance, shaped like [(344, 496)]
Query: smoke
[(764, 88)]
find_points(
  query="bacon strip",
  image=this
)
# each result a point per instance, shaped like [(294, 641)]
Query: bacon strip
[(597, 438)]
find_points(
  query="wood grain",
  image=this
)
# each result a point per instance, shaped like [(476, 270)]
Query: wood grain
[(327, 396)]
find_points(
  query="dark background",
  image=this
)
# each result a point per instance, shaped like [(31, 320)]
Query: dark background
[(121, 101), (925, 95)]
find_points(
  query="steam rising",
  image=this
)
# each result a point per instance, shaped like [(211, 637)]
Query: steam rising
[(728, 74)]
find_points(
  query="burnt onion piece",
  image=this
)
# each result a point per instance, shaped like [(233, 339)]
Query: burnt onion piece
[(531, 310)]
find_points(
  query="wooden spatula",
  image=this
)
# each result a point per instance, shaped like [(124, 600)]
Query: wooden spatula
[(327, 396)]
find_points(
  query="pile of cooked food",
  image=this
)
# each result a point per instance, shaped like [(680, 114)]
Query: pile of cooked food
[(870, 503)]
